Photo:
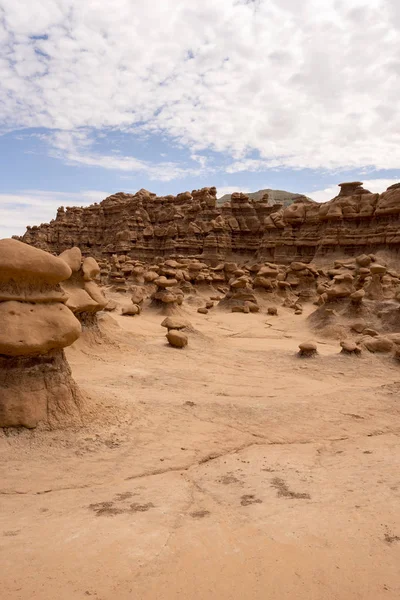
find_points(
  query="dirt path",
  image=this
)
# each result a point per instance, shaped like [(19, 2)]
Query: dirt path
[(229, 470)]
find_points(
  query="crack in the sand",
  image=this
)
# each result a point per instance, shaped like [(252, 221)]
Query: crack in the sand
[(205, 459)]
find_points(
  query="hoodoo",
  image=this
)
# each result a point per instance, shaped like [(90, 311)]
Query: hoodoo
[(35, 378)]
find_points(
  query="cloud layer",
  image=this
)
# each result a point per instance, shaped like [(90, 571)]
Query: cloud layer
[(269, 83), (33, 207)]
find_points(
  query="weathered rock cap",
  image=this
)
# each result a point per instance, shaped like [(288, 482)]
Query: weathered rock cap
[(175, 323), (29, 329), (73, 258), (19, 261)]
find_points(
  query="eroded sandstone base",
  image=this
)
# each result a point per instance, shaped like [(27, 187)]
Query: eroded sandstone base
[(38, 389)]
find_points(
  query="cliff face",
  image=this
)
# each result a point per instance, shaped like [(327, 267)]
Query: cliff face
[(146, 226)]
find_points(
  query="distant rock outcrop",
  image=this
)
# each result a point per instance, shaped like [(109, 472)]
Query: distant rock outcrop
[(145, 226), (270, 196)]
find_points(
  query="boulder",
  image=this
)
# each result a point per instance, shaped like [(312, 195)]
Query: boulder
[(130, 310), (377, 344), (73, 258), (176, 338), (90, 268)]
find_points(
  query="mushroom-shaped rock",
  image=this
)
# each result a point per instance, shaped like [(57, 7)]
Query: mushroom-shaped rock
[(35, 379), (163, 282), (350, 347), (84, 295), (177, 338), (307, 349), (377, 269)]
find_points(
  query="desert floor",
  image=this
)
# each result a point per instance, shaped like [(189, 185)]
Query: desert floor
[(231, 469)]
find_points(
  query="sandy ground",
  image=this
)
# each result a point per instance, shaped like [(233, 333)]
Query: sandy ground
[(228, 470)]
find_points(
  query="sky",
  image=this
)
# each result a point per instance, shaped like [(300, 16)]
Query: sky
[(98, 97)]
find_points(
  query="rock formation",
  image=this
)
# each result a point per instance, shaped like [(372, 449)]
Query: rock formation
[(84, 297), (145, 226), (35, 379)]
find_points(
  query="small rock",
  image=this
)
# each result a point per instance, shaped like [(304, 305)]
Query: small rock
[(363, 260), (209, 305), (252, 306), (111, 305), (350, 347), (272, 310), (176, 338), (202, 310), (358, 326), (131, 310)]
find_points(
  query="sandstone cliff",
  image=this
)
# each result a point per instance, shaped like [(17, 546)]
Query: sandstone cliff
[(147, 226)]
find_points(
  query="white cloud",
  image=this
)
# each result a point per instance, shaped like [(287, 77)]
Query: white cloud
[(310, 84), (32, 207), (76, 148), (373, 185), (230, 189)]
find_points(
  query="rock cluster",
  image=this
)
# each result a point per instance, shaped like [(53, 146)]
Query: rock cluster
[(146, 226), (35, 379), (84, 297)]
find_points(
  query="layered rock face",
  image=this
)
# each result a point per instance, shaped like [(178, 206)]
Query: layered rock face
[(146, 226), (35, 325)]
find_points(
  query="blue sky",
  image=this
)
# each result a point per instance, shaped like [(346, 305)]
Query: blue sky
[(97, 98)]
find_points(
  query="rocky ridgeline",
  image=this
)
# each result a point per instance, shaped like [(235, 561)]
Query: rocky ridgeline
[(145, 226)]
